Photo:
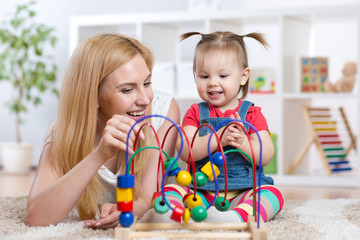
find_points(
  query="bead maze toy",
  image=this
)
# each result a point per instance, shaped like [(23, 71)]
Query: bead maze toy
[(325, 136), (193, 209)]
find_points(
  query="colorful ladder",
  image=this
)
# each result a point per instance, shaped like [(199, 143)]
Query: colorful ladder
[(324, 134)]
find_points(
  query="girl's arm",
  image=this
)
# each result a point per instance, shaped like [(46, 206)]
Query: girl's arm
[(200, 147)]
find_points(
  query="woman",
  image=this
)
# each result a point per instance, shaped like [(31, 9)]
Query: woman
[(107, 87)]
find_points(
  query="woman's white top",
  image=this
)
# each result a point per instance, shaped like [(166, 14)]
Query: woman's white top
[(160, 106)]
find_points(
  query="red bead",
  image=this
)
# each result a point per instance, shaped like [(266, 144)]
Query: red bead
[(186, 196), (125, 206), (177, 214), (155, 196)]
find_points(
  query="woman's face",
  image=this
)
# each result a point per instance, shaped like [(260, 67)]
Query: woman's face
[(127, 90)]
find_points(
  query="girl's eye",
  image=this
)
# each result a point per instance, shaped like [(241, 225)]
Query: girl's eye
[(203, 76), (223, 76), (147, 84)]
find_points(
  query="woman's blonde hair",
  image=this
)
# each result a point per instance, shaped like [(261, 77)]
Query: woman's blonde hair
[(74, 133), (226, 42)]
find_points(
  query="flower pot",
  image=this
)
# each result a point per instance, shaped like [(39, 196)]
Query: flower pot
[(16, 157)]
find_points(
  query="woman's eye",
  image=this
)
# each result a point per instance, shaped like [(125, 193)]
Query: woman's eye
[(126, 90), (147, 84)]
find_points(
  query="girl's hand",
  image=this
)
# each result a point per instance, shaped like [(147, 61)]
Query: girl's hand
[(109, 217), (115, 136), (234, 135)]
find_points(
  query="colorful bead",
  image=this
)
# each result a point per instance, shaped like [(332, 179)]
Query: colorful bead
[(126, 219), (218, 159), (175, 171), (186, 197), (125, 181), (125, 206), (160, 206), (168, 163), (221, 205), (155, 196), (201, 179), (177, 214), (124, 194), (183, 178), (199, 214), (186, 215), (208, 170), (193, 201)]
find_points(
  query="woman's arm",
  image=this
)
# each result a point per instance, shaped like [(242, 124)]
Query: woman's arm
[(109, 214), (51, 197)]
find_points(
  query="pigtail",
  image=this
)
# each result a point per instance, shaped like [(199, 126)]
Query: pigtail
[(258, 37), (188, 34)]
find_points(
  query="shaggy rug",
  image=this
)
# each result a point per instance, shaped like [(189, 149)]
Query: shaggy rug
[(314, 219)]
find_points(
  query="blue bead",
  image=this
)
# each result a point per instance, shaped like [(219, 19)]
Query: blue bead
[(126, 219), (125, 181), (175, 171), (218, 159)]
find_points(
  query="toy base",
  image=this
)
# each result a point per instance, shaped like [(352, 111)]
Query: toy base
[(199, 231)]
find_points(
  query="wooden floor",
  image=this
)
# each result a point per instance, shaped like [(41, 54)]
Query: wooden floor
[(15, 185)]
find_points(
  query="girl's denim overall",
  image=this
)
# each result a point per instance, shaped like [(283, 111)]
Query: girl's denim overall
[(240, 173)]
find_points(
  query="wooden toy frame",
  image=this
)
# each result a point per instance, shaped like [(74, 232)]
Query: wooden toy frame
[(253, 229), (194, 230)]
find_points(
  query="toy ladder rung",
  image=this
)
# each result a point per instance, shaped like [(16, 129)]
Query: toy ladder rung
[(334, 149), (338, 162), (336, 156), (341, 169), (328, 135)]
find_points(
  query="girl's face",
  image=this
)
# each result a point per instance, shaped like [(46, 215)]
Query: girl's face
[(127, 90), (218, 78)]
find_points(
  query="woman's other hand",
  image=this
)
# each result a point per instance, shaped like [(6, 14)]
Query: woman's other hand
[(109, 217)]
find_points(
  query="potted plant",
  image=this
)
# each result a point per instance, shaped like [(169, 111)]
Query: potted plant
[(25, 66)]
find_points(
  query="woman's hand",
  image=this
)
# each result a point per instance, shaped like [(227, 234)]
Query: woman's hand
[(115, 135), (109, 217)]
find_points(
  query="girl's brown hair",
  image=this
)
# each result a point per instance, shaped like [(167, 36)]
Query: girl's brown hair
[(75, 132), (227, 42)]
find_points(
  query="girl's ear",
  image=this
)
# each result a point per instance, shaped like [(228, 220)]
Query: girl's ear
[(245, 76)]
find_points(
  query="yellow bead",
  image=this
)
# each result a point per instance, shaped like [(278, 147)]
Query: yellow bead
[(208, 171), (124, 194), (183, 178), (192, 202), (186, 215)]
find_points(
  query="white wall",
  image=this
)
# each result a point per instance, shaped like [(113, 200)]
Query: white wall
[(56, 13)]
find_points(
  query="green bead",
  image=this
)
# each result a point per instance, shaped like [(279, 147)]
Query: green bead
[(201, 179), (160, 206), (169, 162), (198, 214), (221, 205)]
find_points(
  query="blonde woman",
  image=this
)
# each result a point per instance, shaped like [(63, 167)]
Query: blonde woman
[(107, 87)]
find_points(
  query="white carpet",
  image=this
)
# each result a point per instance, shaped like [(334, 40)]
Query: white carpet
[(315, 219)]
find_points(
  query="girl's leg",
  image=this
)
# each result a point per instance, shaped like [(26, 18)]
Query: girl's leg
[(241, 207), (271, 203)]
